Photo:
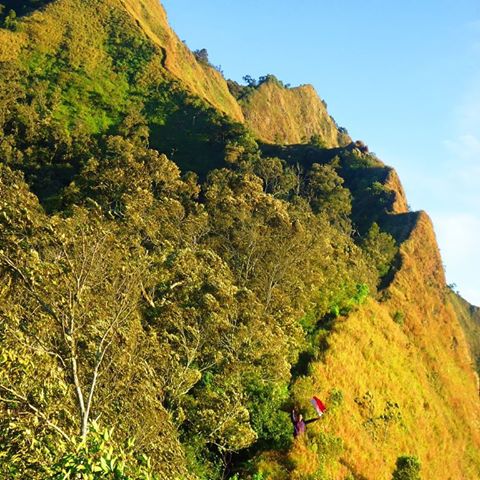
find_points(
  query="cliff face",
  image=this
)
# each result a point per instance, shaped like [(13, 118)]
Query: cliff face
[(392, 182), (289, 115)]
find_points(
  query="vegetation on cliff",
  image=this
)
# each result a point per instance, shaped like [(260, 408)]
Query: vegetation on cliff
[(170, 288), (282, 115)]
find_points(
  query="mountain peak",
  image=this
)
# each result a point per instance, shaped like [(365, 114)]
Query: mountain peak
[(280, 114)]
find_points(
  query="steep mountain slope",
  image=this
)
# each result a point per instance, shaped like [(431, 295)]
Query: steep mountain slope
[(398, 376), (75, 69), (151, 22), (200, 79), (218, 302), (277, 114), (469, 317)]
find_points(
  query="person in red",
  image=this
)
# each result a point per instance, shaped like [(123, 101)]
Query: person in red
[(299, 424)]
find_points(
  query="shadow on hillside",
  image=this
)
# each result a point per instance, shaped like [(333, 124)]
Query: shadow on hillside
[(25, 7), (188, 131), (355, 474), (400, 226), (317, 346)]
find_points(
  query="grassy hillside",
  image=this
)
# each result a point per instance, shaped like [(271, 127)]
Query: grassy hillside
[(200, 79), (469, 317), (281, 115), (74, 71), (161, 324), (399, 381)]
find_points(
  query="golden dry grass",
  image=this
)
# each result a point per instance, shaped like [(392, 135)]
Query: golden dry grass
[(423, 365), (290, 116), (11, 44), (201, 80)]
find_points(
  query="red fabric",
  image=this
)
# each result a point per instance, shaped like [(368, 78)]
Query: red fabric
[(318, 405)]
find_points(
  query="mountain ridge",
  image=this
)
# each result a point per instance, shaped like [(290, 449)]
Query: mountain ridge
[(277, 114), (287, 264)]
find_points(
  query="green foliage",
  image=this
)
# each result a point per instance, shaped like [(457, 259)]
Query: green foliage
[(99, 457), (130, 53), (317, 141), (174, 306), (347, 299), (407, 468), (270, 422), (335, 398), (242, 91), (279, 180), (202, 56), (399, 317), (325, 192), (10, 20), (380, 248)]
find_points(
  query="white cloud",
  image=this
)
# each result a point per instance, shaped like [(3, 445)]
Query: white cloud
[(471, 295), (457, 220), (462, 168)]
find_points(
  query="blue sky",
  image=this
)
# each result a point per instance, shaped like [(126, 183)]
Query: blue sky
[(402, 76)]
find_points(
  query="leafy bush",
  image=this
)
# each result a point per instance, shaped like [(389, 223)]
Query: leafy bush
[(399, 317), (407, 468), (99, 457), (380, 248), (349, 299)]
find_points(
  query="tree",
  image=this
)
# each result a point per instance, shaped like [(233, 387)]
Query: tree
[(250, 81), (278, 179), (72, 344), (407, 468), (325, 191), (78, 293), (317, 141), (380, 249), (10, 20), (211, 333), (99, 457), (202, 56)]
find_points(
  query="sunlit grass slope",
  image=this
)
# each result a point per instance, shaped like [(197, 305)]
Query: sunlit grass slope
[(200, 79), (398, 379), (469, 317), (277, 114)]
